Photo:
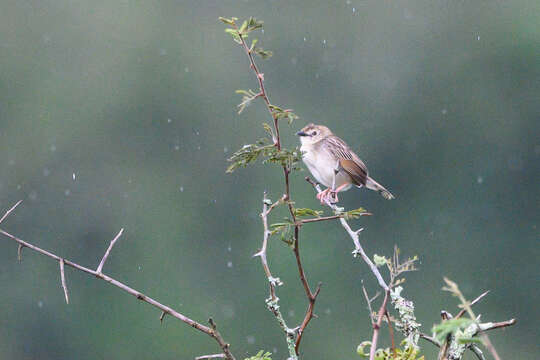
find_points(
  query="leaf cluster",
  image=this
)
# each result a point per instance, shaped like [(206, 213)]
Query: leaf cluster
[(239, 34), (354, 214), (251, 152), (300, 212), (279, 113), (405, 353), (285, 231), (261, 355), (452, 327)]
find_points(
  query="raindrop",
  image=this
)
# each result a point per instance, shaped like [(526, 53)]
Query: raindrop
[(348, 2), (53, 148), (229, 248), (140, 268), (327, 311), (262, 30), (40, 304), (294, 60), (324, 42), (478, 38), (479, 179), (169, 120), (353, 10), (305, 39), (46, 172), (229, 264), (316, 75), (11, 162), (67, 192), (32, 195), (73, 176), (186, 69), (176, 147), (130, 181), (274, 350), (199, 147), (228, 311), (181, 189), (225, 149), (251, 339), (19, 187), (444, 111), (291, 313), (162, 52)]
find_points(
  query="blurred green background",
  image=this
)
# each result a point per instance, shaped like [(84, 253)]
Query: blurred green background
[(122, 114)]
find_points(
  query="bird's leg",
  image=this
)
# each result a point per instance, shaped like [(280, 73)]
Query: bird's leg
[(322, 195), (335, 192)]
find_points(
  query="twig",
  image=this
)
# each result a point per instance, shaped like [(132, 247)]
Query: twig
[(214, 356), (377, 326), (354, 235), (19, 252), (312, 296), (9, 211), (262, 252), (212, 332), (369, 301), (391, 331), (100, 267), (63, 280), (162, 316), (476, 351), (463, 311)]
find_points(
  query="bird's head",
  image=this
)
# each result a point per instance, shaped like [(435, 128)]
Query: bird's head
[(310, 134)]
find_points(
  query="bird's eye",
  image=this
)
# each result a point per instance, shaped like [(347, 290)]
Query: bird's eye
[(314, 133)]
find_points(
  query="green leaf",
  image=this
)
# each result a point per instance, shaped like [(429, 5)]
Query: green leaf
[(228, 21), (243, 28), (450, 327), (379, 260), (354, 214), (261, 355), (265, 54), (247, 98), (307, 212)]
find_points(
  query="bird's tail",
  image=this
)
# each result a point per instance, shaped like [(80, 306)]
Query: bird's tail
[(373, 185)]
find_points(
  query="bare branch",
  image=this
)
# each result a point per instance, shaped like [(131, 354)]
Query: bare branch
[(214, 356), (100, 267), (63, 280), (9, 211), (476, 351), (19, 252), (377, 326), (354, 236), (463, 311), (209, 331)]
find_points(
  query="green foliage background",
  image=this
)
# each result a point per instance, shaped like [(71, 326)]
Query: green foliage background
[(136, 98)]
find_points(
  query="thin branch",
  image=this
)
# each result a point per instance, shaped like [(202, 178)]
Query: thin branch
[(63, 280), (323, 218), (476, 351), (430, 339), (9, 211), (496, 325), (354, 235), (214, 356), (312, 296), (463, 311), (19, 252), (391, 331), (100, 267), (162, 316), (262, 253), (212, 332), (369, 301), (377, 326)]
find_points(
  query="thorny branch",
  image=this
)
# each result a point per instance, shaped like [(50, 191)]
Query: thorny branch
[(210, 331), (311, 295)]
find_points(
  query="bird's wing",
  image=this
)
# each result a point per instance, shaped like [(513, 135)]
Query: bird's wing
[(348, 160)]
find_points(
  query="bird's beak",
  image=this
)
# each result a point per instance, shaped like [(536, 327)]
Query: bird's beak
[(301, 133)]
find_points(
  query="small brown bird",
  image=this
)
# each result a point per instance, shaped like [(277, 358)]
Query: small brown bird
[(334, 164)]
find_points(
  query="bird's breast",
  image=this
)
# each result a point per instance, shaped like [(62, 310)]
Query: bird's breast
[(322, 165)]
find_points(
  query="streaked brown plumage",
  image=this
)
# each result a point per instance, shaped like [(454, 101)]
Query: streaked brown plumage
[(333, 163)]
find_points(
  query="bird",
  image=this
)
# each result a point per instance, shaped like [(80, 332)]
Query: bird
[(331, 161)]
